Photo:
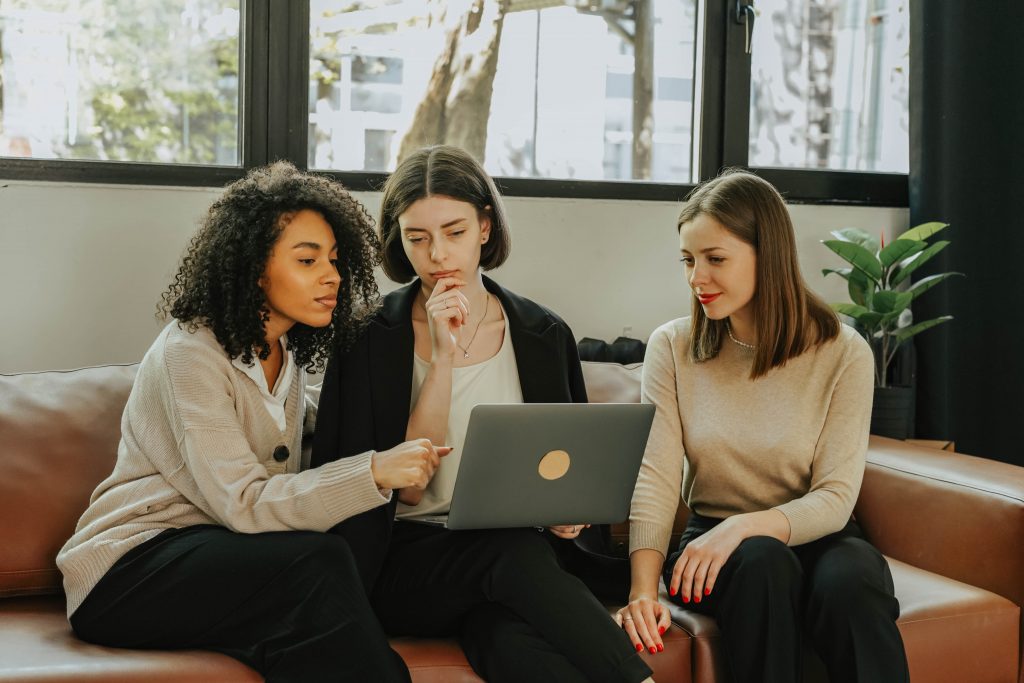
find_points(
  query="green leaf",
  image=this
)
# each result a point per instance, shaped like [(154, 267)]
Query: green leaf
[(857, 256), (923, 231), (857, 236), (890, 302), (852, 310), (854, 235), (870, 320), (895, 252), (914, 262), (865, 318), (908, 332), (860, 287), (841, 272), (924, 284)]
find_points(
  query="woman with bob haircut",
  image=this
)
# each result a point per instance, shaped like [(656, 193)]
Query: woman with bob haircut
[(209, 533), (763, 403), (449, 340)]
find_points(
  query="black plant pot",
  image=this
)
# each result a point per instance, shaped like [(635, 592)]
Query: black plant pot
[(892, 414)]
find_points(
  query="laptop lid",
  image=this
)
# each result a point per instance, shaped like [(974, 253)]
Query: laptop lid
[(542, 464)]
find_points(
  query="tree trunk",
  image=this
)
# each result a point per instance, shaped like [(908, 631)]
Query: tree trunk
[(821, 57), (643, 89), (457, 104), (427, 126)]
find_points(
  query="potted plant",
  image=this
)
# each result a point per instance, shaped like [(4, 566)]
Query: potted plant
[(881, 295)]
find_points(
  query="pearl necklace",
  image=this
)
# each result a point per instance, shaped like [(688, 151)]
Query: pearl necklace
[(728, 328)]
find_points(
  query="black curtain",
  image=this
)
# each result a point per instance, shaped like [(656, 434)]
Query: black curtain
[(967, 169)]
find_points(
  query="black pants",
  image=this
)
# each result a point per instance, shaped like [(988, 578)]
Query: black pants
[(518, 614), (288, 604), (837, 589)]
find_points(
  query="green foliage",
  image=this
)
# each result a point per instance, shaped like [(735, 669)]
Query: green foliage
[(873, 280), (155, 81)]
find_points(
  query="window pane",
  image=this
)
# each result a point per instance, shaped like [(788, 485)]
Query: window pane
[(120, 80), (829, 85), (535, 88)]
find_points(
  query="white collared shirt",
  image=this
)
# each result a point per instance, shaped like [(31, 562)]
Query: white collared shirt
[(273, 400)]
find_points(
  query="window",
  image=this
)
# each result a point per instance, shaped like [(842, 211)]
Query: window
[(537, 89), (631, 99), (120, 80), (829, 85)]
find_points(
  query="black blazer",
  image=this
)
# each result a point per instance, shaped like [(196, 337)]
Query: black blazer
[(364, 403)]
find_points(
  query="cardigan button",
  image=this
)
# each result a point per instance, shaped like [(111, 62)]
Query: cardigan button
[(281, 453)]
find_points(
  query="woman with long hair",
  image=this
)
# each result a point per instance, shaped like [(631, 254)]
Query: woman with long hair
[(763, 403)]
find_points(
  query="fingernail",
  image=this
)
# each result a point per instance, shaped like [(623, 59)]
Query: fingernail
[(672, 591), (661, 648), (639, 648), (686, 598), (661, 630), (653, 650), (696, 598), (707, 591)]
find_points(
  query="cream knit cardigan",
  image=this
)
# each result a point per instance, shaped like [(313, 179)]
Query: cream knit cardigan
[(197, 447)]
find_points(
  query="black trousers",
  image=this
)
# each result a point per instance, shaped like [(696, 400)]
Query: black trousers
[(838, 590), (288, 604), (518, 614)]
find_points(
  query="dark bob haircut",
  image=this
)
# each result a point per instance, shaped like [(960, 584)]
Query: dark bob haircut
[(217, 284), (447, 171)]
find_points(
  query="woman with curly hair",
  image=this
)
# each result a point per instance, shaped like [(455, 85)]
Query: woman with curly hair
[(209, 533)]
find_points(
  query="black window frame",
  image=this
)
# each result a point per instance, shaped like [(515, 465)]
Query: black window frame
[(274, 124)]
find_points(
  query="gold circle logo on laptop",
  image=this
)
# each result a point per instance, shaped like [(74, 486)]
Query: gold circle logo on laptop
[(553, 465)]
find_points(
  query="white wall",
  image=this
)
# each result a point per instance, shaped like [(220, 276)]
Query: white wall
[(82, 266)]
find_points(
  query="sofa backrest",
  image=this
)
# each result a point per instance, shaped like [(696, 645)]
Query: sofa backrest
[(611, 382), (614, 383), (58, 439), (59, 433)]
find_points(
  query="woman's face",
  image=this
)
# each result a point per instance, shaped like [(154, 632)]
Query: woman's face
[(442, 237), (720, 267), (301, 278)]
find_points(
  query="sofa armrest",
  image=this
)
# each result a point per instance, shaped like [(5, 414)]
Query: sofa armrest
[(952, 514)]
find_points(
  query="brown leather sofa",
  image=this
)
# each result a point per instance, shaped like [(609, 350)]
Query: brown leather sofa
[(951, 525)]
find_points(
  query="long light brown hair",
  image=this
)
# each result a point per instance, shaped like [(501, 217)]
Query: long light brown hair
[(789, 317)]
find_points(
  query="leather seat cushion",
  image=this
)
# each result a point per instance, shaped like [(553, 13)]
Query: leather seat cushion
[(37, 646), (953, 632)]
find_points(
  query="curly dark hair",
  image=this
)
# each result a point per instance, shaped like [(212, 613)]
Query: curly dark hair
[(217, 284)]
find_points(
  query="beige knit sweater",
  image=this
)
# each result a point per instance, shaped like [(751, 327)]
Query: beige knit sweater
[(197, 447), (793, 440)]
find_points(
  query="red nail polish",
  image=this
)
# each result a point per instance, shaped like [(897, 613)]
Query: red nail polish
[(653, 650), (639, 648), (696, 598), (672, 591), (707, 591), (661, 648), (686, 598), (661, 630)]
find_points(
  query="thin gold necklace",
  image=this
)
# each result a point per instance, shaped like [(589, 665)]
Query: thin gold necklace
[(465, 349), (728, 328)]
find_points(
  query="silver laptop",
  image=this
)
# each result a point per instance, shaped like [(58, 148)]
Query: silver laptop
[(544, 464)]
